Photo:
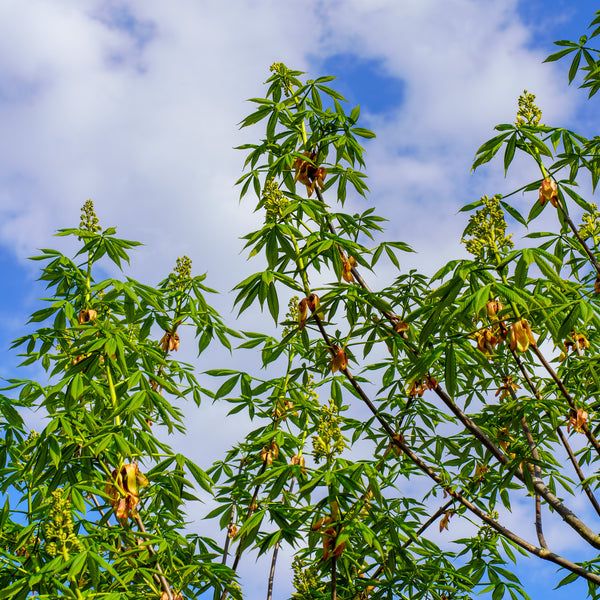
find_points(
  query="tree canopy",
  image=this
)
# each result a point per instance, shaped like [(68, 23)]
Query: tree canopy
[(382, 417)]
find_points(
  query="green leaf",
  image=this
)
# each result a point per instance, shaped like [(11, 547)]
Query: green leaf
[(227, 386), (364, 133), (471, 206), (509, 153), (273, 301), (570, 578), (574, 66), (558, 55), (570, 322), (513, 212), (539, 145), (78, 564), (332, 93), (450, 370), (536, 210), (199, 476)]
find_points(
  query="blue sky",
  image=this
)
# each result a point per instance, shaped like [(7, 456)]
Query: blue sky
[(137, 105)]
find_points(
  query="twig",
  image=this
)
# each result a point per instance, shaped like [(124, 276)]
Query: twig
[(231, 517), (580, 474), (272, 570), (535, 469), (536, 473), (274, 559), (166, 588), (587, 250), (333, 578)]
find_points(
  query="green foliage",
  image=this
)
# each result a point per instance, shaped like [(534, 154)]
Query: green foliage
[(446, 399), (78, 522)]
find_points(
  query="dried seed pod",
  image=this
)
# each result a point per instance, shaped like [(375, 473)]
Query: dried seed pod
[(86, 315), (312, 302), (339, 362), (578, 420), (548, 192), (169, 341), (302, 313), (274, 450), (521, 336), (493, 308)]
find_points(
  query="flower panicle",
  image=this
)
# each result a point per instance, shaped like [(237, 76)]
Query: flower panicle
[(485, 234), (89, 220), (528, 113)]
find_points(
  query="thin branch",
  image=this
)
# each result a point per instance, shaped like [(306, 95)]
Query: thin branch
[(536, 472), (535, 469), (251, 509), (157, 578), (95, 501), (587, 250), (580, 474), (166, 588), (231, 517), (272, 570), (333, 578), (274, 559)]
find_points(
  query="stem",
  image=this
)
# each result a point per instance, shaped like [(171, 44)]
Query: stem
[(228, 536), (112, 390), (585, 247), (537, 474), (166, 588), (88, 279), (301, 266), (580, 474), (333, 578), (535, 468), (272, 571), (95, 501), (274, 559)]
